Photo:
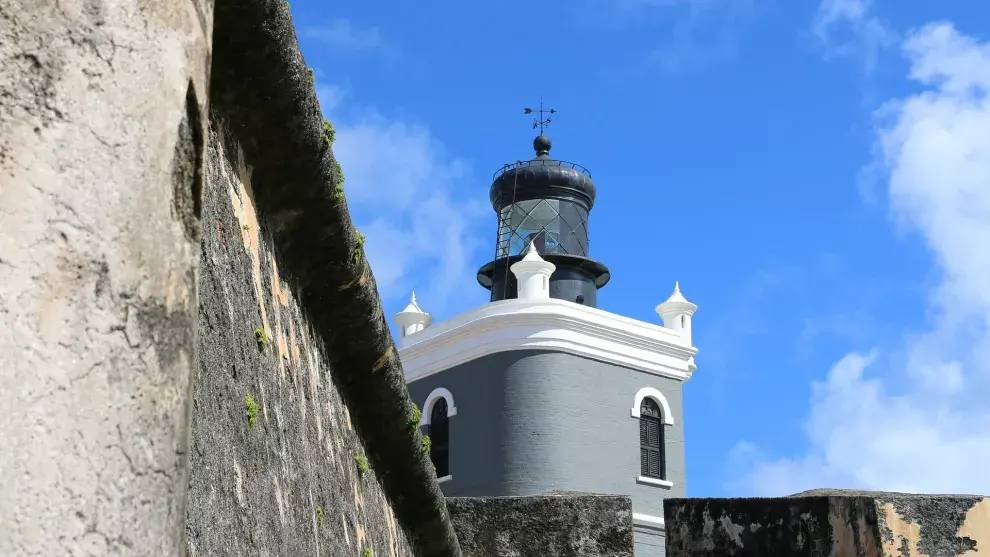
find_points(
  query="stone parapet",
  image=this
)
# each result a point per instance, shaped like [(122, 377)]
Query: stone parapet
[(836, 523), (557, 524)]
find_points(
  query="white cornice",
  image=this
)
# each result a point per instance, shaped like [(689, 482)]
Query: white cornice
[(648, 521), (548, 324)]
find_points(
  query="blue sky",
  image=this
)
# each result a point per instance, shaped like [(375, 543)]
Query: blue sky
[(816, 176)]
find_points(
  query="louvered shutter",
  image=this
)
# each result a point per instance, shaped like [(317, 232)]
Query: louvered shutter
[(651, 457)]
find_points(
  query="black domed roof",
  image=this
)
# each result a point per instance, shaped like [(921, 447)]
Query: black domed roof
[(542, 178)]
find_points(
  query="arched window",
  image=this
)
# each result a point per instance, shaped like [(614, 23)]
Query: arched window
[(651, 457), (439, 432)]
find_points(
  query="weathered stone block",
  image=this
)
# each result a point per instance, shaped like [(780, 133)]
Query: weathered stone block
[(836, 523), (102, 112), (276, 473), (556, 524)]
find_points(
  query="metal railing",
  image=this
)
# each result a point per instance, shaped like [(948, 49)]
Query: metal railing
[(540, 162)]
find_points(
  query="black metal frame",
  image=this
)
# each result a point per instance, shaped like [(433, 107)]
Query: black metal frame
[(439, 432), (652, 457), (509, 242), (540, 162)]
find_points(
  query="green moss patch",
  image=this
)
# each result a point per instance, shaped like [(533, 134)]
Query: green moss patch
[(362, 463), (262, 338), (251, 407)]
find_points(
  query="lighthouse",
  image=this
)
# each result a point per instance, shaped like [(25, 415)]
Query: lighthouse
[(544, 203), (540, 390)]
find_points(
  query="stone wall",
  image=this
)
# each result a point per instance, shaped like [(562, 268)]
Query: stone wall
[(557, 524), (287, 267), (104, 129), (102, 119), (276, 467), (830, 522)]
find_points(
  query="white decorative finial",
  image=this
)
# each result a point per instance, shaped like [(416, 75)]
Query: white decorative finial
[(676, 296), (676, 313), (532, 275), (531, 253), (412, 319), (677, 288)]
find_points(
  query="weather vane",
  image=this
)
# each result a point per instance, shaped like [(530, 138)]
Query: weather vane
[(540, 122)]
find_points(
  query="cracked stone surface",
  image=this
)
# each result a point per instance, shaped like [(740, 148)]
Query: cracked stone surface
[(101, 127), (562, 524), (831, 522), (289, 485)]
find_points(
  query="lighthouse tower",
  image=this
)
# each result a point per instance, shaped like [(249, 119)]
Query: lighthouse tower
[(539, 390), (544, 203)]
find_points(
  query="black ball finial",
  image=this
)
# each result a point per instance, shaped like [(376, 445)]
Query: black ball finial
[(542, 145)]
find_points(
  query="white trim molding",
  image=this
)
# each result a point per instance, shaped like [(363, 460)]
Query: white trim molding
[(657, 396), (435, 395), (446, 478), (654, 481), (648, 521), (549, 324)]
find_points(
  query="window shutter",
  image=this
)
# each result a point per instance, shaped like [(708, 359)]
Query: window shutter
[(655, 464), (653, 433), (651, 452)]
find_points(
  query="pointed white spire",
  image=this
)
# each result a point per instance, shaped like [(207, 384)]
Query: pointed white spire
[(676, 313), (532, 254), (412, 319), (676, 296), (413, 307), (532, 275)]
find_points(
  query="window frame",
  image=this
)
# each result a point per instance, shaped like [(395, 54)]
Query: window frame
[(440, 448), (651, 417)]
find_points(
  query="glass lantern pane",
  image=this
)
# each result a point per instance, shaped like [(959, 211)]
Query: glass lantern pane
[(554, 226)]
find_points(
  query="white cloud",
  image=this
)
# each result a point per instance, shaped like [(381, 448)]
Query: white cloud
[(331, 96), (848, 28), (690, 33), (917, 421), (403, 190), (342, 34), (708, 31)]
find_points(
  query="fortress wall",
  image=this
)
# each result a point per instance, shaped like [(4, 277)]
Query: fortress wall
[(111, 116), (838, 523), (282, 262), (282, 472), (102, 116), (558, 524)]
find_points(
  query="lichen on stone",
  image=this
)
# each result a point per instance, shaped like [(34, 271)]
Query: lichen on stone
[(329, 133), (362, 463), (358, 247), (261, 337), (338, 189), (251, 407), (415, 417)]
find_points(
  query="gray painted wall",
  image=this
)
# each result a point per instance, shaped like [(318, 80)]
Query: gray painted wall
[(533, 421), (649, 542)]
